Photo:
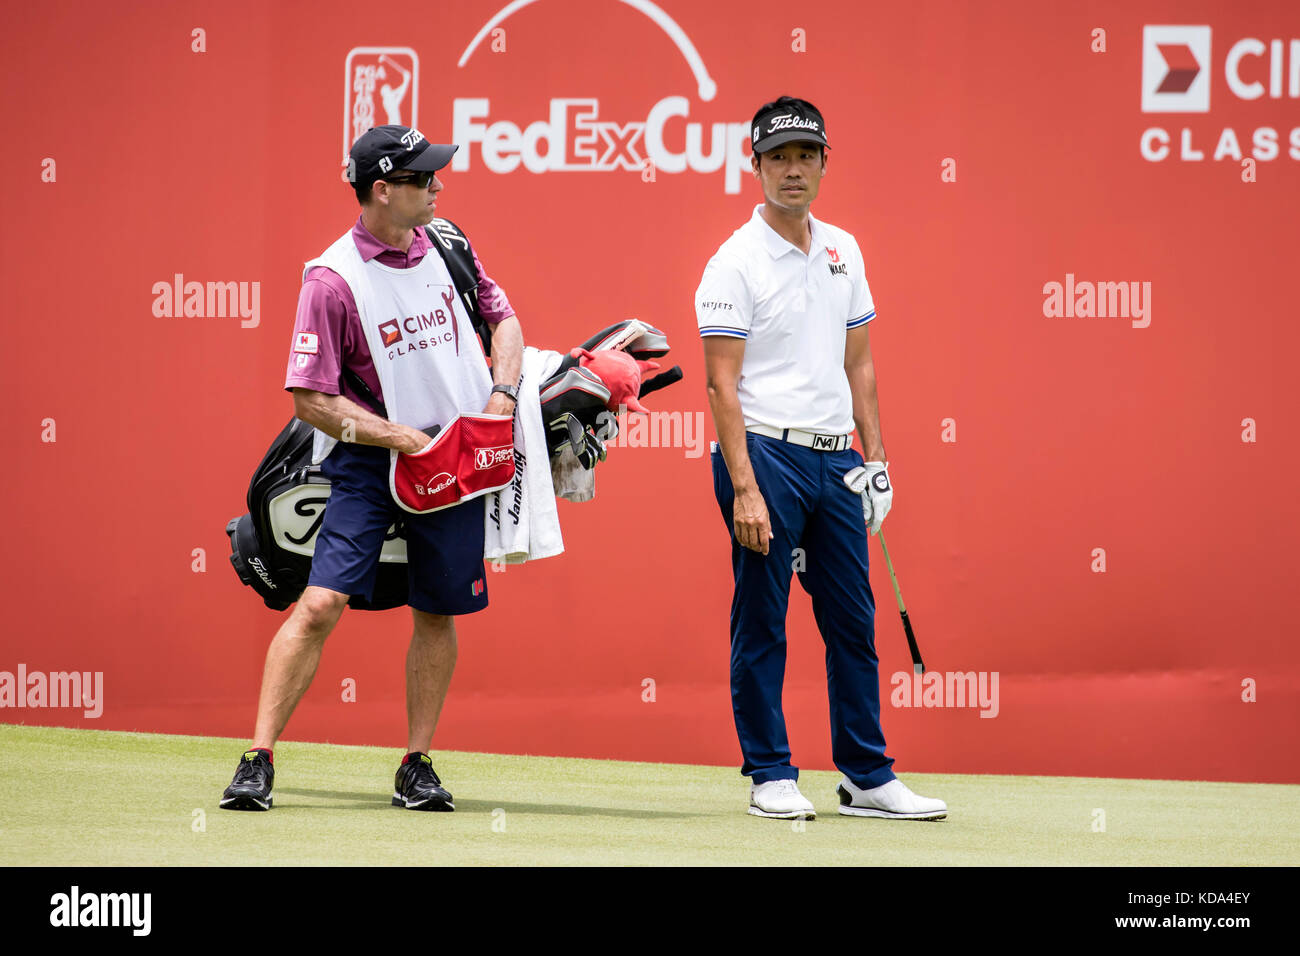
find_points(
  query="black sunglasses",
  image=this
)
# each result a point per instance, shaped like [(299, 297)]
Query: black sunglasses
[(419, 179)]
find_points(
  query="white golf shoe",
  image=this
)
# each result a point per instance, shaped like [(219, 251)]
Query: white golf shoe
[(892, 801), (780, 799)]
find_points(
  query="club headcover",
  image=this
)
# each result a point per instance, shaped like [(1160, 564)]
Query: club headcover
[(620, 373), (575, 390), (633, 336)]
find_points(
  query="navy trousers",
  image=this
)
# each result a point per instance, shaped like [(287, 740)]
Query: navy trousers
[(819, 532)]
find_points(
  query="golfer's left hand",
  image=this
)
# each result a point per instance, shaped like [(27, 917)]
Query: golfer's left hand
[(871, 481)]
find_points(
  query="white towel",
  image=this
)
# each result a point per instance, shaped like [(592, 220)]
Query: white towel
[(522, 522)]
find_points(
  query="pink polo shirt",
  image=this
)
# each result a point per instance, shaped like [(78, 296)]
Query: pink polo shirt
[(327, 311)]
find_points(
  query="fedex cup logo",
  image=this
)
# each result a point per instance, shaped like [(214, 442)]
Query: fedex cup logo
[(485, 458), (1175, 69), (439, 482), (381, 86), (574, 136)]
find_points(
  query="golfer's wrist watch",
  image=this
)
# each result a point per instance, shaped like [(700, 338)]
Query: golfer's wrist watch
[(510, 391)]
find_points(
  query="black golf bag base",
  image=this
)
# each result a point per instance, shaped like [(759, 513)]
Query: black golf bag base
[(271, 546), (279, 578)]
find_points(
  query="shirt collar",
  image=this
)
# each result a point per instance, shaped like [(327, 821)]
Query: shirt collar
[(370, 247), (777, 245)]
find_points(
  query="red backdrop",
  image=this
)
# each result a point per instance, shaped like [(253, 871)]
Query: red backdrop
[(1072, 434)]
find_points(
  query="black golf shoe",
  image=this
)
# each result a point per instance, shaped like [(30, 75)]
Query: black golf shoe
[(418, 788), (251, 788)]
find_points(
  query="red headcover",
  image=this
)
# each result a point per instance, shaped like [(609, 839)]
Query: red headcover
[(621, 374)]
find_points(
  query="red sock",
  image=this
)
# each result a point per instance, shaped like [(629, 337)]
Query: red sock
[(270, 758)]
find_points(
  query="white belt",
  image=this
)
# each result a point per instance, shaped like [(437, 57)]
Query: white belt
[(807, 439)]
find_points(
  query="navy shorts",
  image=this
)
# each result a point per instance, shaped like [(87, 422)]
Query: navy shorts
[(444, 549)]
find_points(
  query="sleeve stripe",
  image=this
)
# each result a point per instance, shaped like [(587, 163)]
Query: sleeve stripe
[(722, 330), (854, 323)]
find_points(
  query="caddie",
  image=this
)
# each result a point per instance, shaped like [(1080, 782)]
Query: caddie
[(783, 310), (383, 347)]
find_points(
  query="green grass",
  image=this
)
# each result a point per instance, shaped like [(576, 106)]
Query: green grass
[(88, 797)]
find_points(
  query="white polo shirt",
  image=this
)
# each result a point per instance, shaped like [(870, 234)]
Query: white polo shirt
[(793, 311)]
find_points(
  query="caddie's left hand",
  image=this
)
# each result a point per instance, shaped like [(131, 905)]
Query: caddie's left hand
[(871, 481), (499, 404)]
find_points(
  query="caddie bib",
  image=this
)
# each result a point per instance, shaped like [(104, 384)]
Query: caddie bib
[(430, 364)]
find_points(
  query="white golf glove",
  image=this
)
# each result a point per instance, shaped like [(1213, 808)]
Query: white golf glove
[(871, 481)]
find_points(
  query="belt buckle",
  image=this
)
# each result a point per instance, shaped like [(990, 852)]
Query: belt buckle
[(825, 442)]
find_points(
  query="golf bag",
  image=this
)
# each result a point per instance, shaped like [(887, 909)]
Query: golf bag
[(272, 545)]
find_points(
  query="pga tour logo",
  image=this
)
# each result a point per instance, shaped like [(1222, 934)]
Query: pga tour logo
[(1175, 69), (381, 86), (485, 458)]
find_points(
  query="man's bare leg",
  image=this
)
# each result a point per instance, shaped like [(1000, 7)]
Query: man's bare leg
[(429, 665), (292, 658)]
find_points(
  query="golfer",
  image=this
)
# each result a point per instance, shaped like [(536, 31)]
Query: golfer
[(783, 310)]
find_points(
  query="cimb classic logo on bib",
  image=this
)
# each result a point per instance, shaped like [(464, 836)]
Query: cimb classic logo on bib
[(426, 331)]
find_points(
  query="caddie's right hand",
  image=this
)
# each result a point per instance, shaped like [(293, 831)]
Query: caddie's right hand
[(411, 440), (749, 517)]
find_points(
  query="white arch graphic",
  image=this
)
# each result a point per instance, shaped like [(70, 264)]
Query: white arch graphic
[(704, 83)]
